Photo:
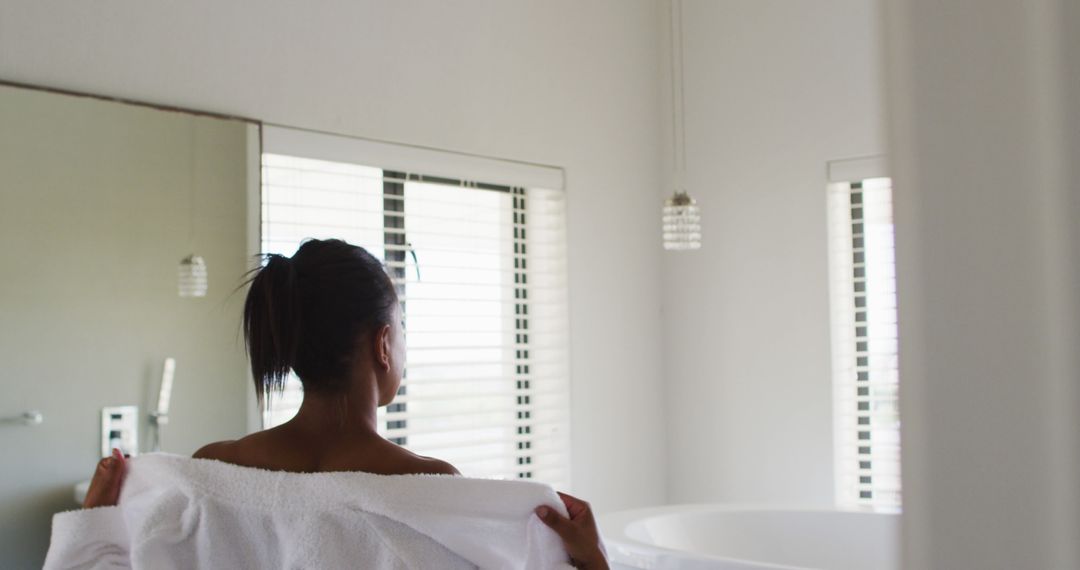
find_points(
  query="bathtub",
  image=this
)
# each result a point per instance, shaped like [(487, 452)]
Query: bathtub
[(724, 537)]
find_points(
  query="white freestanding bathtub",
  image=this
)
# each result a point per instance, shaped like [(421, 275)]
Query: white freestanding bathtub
[(724, 537)]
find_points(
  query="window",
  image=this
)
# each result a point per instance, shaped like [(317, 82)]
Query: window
[(864, 338), (480, 271)]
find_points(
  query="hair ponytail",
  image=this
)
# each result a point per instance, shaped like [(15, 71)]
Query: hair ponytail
[(272, 326), (306, 313)]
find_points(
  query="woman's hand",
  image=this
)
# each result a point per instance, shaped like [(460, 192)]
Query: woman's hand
[(104, 488), (578, 533)]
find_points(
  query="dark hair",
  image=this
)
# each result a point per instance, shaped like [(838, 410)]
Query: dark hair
[(306, 313)]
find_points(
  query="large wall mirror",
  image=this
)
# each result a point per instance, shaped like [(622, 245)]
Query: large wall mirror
[(99, 203)]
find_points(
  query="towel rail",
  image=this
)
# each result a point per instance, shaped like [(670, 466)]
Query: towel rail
[(27, 418)]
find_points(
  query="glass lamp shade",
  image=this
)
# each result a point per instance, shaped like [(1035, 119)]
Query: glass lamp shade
[(682, 223), (192, 277)]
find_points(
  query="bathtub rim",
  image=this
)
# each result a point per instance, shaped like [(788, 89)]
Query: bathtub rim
[(613, 527)]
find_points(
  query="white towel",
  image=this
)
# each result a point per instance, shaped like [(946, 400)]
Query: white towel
[(177, 512)]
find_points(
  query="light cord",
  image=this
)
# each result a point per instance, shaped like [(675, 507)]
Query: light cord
[(678, 99)]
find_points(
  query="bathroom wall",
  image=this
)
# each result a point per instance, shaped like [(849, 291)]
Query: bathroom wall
[(774, 89), (986, 130), (566, 83), (94, 218)]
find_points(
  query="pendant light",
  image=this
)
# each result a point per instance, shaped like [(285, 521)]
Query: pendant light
[(681, 216), (192, 277), (192, 274)]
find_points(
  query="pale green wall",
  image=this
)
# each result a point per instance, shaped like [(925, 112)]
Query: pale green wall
[(94, 204)]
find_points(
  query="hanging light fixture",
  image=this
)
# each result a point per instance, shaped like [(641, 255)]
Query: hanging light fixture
[(192, 274), (682, 223), (192, 277), (681, 215)]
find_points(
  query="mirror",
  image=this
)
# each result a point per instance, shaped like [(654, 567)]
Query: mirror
[(100, 202)]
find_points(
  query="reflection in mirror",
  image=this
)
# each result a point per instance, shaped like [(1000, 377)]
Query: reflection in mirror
[(99, 203)]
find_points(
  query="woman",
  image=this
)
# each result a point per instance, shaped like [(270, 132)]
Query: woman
[(331, 314)]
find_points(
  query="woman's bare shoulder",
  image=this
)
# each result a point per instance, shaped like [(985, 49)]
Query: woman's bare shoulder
[(423, 465), (220, 450), (248, 450)]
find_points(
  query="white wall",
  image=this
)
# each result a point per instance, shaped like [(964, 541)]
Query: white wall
[(567, 83), (986, 134), (774, 89)]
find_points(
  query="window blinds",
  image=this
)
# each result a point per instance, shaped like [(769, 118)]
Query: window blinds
[(864, 338), (480, 271)]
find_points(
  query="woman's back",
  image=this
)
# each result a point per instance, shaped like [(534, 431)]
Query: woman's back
[(292, 448), (324, 489)]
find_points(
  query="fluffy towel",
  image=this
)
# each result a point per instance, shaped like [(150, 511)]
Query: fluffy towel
[(177, 512)]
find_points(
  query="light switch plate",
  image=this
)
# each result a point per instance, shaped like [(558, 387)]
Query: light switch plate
[(120, 429)]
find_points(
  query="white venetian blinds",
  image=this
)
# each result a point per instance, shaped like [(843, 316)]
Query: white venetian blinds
[(864, 338), (480, 271)]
